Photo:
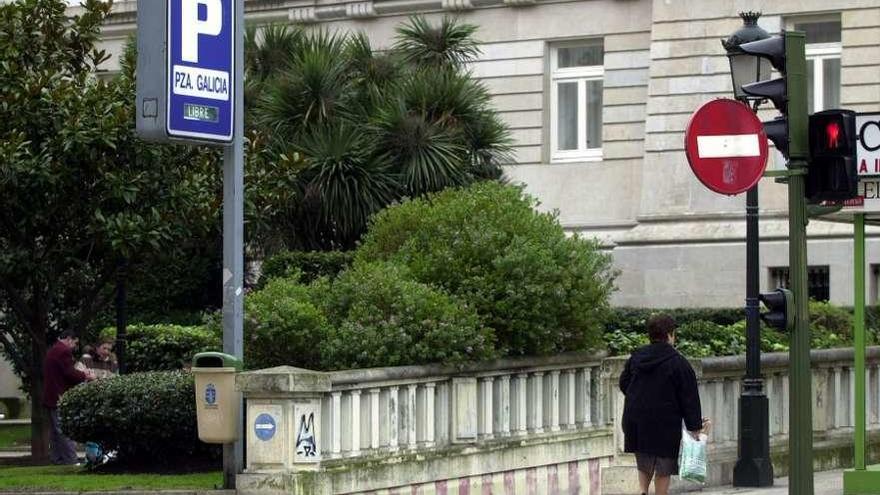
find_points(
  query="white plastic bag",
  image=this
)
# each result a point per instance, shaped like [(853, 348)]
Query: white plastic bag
[(692, 462)]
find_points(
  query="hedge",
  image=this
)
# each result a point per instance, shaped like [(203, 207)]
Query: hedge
[(166, 347), (309, 264), (147, 418)]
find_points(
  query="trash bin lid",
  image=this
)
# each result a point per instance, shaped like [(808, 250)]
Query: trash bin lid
[(216, 360)]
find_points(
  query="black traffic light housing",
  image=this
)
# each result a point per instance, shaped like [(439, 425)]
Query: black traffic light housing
[(780, 309), (775, 90), (832, 175)]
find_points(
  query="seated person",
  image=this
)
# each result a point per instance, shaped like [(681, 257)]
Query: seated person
[(100, 359)]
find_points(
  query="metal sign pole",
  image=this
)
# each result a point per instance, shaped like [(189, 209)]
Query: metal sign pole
[(233, 242)]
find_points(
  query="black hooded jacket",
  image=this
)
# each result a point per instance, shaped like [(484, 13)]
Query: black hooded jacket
[(661, 391)]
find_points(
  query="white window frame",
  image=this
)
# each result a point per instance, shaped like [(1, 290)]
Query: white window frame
[(580, 75), (819, 53)]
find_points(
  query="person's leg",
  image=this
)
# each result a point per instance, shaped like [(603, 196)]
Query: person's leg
[(661, 484), (54, 435), (62, 450), (644, 481), (645, 464)]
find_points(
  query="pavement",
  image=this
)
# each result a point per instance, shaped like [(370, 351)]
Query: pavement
[(825, 483)]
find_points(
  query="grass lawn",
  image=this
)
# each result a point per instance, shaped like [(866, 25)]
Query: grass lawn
[(73, 478), (15, 436)]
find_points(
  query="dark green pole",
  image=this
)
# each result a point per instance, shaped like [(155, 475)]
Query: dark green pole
[(859, 263), (800, 400)]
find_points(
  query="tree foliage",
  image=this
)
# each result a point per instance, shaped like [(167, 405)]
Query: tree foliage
[(78, 191)]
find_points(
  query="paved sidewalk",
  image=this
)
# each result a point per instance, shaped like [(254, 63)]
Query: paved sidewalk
[(825, 483)]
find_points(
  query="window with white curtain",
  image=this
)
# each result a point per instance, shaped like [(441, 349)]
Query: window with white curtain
[(576, 101)]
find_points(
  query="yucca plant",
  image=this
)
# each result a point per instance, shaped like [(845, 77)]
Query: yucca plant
[(451, 44), (372, 126), (345, 182), (427, 155), (316, 87)]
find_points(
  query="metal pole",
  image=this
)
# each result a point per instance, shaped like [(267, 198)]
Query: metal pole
[(121, 314), (800, 400), (233, 243), (753, 467), (859, 263)]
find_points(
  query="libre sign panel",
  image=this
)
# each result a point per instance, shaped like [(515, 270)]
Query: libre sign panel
[(201, 61)]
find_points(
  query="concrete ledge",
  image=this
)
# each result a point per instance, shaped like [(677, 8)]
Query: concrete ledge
[(412, 372), (780, 359), (284, 379)]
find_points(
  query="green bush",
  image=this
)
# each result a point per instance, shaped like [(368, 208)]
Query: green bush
[(283, 326), (633, 319), (148, 418), (830, 326), (702, 338), (539, 290), (310, 264), (380, 317), (165, 347)]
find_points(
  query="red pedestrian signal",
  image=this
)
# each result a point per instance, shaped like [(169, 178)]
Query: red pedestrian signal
[(832, 174), (832, 133)]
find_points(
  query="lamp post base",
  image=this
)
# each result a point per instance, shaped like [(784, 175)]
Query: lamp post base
[(753, 467)]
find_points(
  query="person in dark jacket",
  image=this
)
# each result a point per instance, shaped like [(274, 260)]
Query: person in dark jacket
[(661, 391), (59, 375)]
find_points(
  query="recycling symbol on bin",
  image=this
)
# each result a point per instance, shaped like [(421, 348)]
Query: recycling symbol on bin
[(210, 394)]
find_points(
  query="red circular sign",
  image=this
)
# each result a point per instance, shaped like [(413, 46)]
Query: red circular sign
[(726, 146)]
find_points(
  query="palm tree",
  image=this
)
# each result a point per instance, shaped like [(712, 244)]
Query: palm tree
[(372, 126), (451, 44)]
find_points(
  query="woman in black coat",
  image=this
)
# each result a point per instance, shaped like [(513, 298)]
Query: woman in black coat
[(661, 391)]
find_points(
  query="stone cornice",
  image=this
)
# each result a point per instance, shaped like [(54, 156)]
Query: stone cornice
[(124, 15)]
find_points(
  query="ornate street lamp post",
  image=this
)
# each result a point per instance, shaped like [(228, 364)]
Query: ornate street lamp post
[(753, 467)]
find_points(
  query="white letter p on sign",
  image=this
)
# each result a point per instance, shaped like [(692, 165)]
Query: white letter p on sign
[(191, 27)]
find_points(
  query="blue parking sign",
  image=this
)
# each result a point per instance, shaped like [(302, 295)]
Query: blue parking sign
[(201, 62)]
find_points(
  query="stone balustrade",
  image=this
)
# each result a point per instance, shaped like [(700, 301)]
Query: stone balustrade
[(507, 422)]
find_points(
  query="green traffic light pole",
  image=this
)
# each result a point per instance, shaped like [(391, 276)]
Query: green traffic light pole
[(800, 438)]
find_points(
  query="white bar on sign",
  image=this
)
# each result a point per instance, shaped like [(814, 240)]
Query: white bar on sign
[(201, 83), (728, 146)]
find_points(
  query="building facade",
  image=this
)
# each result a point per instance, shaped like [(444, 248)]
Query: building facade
[(597, 94)]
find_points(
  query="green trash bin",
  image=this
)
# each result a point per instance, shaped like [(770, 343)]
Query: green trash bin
[(217, 402)]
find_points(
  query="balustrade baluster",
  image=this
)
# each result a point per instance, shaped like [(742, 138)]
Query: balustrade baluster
[(522, 387), (392, 418), (336, 429), (585, 398), (374, 418), (410, 421), (355, 422), (553, 398), (486, 404), (571, 393), (537, 425), (504, 405), (429, 413)]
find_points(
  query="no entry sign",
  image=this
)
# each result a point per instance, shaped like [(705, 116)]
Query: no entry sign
[(726, 146)]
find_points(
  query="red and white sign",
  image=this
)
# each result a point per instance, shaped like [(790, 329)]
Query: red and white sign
[(868, 144), (726, 146)]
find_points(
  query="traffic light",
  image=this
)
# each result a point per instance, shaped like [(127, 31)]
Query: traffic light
[(776, 90), (832, 175), (780, 309)]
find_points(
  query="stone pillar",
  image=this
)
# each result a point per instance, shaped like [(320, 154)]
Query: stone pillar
[(283, 428)]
